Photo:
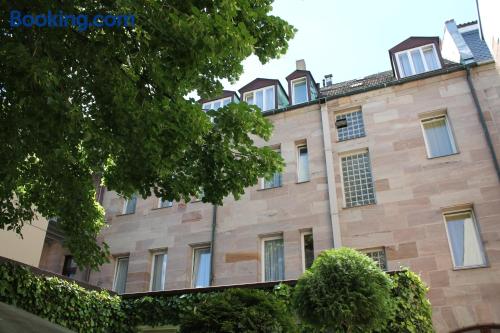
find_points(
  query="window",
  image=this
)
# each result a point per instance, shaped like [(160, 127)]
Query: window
[(355, 127), (69, 268), (302, 164), (418, 60), (438, 137), (164, 203), (464, 239), (159, 271), (299, 91), (121, 271), (307, 250), (357, 180), (378, 255), (263, 98), (201, 267), (274, 259), (274, 181), (217, 104), (129, 205)]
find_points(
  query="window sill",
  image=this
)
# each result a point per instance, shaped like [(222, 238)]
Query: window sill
[(157, 208), (434, 157), (125, 214), (358, 137), (269, 188), (470, 267), (357, 206), (303, 181)]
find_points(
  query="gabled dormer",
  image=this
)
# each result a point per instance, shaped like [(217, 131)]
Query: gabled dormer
[(301, 85), (228, 96), (416, 55), (267, 94)]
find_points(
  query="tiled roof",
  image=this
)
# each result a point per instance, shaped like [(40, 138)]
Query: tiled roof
[(375, 80), (477, 46)]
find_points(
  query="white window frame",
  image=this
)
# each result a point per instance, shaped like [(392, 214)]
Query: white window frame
[(302, 247), (478, 235), (412, 66), (163, 269), (210, 105), (298, 148), (160, 201), (293, 82), (264, 105), (448, 129), (194, 249), (115, 276), (125, 203), (263, 254), (349, 153)]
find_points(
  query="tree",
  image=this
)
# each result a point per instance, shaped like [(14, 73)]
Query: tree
[(344, 291), (111, 102)]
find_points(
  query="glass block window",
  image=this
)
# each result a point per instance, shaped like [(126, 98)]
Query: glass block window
[(357, 180), (378, 256), (355, 127)]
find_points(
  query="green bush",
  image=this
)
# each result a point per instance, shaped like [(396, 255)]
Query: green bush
[(239, 310), (344, 291)]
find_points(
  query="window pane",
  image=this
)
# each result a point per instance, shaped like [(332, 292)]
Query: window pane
[(270, 98), (275, 181), (165, 203), (217, 105), (259, 99), (249, 98), (379, 258), (430, 59), (274, 261), (206, 106), (69, 268), (355, 126), (227, 101), (201, 273), (308, 250), (404, 63), (303, 164), (299, 92), (438, 138), (159, 271), (121, 275), (130, 205), (417, 61), (357, 180), (464, 240)]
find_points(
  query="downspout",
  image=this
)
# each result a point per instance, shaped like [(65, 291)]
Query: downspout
[(483, 122), (330, 175), (212, 245)]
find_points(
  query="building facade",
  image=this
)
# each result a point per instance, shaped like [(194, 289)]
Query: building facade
[(400, 165)]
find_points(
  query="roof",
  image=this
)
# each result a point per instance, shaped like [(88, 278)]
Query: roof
[(461, 25), (378, 80), (225, 94), (478, 47)]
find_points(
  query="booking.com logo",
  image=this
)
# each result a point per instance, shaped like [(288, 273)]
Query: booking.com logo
[(62, 20)]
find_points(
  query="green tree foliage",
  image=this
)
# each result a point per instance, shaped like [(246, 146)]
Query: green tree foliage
[(344, 291), (111, 102)]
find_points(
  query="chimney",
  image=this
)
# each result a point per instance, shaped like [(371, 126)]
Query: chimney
[(328, 80), (300, 65)]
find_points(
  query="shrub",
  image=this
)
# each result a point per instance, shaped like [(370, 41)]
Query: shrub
[(239, 310), (344, 291)]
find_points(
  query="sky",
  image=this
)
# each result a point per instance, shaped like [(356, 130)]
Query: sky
[(351, 38)]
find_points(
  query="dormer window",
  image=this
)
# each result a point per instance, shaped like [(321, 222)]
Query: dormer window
[(217, 104), (299, 91), (263, 98), (417, 60)]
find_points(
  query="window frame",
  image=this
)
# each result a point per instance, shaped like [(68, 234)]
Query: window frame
[(164, 269), (160, 204), (410, 59), (194, 249), (293, 82), (448, 129), (297, 151), (115, 276), (350, 153), (478, 235), (125, 204), (264, 105), (263, 255), (377, 249), (212, 103), (346, 112), (262, 180), (302, 247)]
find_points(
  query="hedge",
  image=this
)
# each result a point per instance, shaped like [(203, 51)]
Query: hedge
[(82, 310)]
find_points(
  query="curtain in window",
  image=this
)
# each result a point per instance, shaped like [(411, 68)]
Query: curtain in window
[(430, 59), (269, 98), (404, 63), (121, 275), (159, 271), (201, 268), (259, 99), (418, 63), (303, 164), (275, 181), (274, 260), (438, 138), (300, 92), (465, 241)]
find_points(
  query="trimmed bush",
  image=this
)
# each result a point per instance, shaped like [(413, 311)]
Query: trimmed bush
[(344, 291)]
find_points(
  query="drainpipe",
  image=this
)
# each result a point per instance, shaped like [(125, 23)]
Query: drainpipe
[(483, 122), (212, 245), (330, 175)]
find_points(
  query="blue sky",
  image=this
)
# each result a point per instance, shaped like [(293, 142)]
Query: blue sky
[(350, 38)]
